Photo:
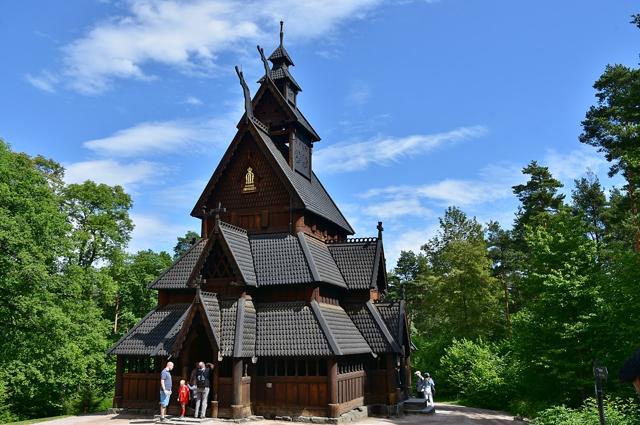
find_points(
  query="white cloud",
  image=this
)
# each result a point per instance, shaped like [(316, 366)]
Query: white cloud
[(191, 35), (359, 93), (192, 100), (573, 164), (112, 172), (182, 196), (343, 157), (45, 81), (158, 137), (153, 232), (152, 138), (395, 208), (397, 240)]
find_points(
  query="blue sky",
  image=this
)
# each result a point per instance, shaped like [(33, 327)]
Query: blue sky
[(434, 103)]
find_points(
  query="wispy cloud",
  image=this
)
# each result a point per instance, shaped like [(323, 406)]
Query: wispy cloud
[(573, 164), (193, 101), (359, 94), (112, 172), (344, 157), (189, 36), (46, 81), (154, 138), (395, 208)]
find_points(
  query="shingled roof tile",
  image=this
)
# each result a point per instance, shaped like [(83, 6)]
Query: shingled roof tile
[(323, 263), (178, 273), (238, 243), (289, 329), (311, 192), (154, 334), (279, 260), (356, 261), (346, 335)]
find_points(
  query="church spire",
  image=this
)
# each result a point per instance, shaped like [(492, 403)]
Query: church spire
[(279, 73)]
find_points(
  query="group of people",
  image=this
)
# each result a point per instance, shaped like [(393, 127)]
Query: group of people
[(425, 387), (197, 389)]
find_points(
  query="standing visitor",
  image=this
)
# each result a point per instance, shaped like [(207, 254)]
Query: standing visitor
[(201, 378), (431, 389), (421, 385), (183, 396), (165, 389)]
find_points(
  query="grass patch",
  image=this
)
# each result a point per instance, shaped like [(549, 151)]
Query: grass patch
[(33, 421)]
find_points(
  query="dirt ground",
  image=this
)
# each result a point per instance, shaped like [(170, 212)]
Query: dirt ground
[(445, 414)]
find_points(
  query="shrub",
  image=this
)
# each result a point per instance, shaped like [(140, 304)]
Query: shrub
[(617, 411), (474, 371)]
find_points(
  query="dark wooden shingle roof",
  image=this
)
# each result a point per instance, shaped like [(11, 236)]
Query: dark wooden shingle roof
[(279, 260), (358, 260), (289, 329), (371, 325), (177, 274), (155, 334), (343, 336)]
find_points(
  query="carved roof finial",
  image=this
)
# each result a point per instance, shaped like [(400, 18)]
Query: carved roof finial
[(380, 229), (281, 32), (267, 71), (248, 107)]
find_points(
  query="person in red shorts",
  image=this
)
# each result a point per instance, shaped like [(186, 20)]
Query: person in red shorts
[(183, 396)]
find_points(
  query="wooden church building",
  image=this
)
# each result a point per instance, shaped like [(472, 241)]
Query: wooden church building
[(291, 311)]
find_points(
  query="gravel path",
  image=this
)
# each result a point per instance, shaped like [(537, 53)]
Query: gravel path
[(445, 414)]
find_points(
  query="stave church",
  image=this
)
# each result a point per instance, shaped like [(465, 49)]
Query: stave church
[(290, 309)]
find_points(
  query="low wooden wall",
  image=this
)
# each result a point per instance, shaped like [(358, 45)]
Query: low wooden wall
[(351, 390), (140, 390), (290, 395)]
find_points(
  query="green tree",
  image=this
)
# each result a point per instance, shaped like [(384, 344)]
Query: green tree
[(553, 332), (537, 196), (99, 216), (184, 243), (590, 201), (463, 297), (613, 126)]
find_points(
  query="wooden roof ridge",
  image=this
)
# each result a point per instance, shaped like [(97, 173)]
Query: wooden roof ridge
[(322, 321), (198, 305), (238, 339), (376, 264), (218, 235), (320, 274), (382, 326), (175, 262)]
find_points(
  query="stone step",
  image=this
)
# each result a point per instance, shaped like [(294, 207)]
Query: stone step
[(415, 403), (425, 411), (187, 420)]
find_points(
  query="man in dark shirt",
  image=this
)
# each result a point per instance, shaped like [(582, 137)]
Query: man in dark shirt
[(165, 389), (201, 378)]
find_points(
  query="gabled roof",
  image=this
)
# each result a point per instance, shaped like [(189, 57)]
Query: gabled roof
[(323, 267), (282, 73), (282, 259), (359, 260), (289, 329), (178, 273), (279, 54), (279, 260), (204, 304), (237, 242), (155, 334), (371, 325), (393, 314), (343, 336), (311, 192)]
